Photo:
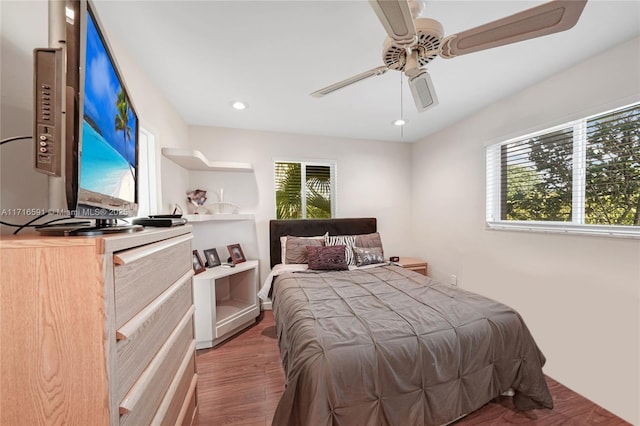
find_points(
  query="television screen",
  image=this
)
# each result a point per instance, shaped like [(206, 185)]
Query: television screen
[(85, 125), (109, 125)]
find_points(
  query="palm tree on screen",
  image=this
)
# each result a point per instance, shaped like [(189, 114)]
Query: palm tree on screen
[(122, 124)]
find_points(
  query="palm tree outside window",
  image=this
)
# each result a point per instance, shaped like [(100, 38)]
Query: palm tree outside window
[(304, 190)]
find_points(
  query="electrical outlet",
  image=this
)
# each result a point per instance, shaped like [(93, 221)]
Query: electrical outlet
[(453, 280)]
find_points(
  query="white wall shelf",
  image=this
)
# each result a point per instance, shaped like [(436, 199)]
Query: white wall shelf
[(195, 160), (226, 302), (214, 217)]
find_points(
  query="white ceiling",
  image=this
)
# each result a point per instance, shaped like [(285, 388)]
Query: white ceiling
[(272, 54)]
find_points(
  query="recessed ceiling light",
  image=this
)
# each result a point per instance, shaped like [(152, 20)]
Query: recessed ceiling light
[(239, 105), (399, 122)]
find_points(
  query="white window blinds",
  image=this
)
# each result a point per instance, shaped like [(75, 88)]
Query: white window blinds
[(582, 173), (537, 182), (612, 189)]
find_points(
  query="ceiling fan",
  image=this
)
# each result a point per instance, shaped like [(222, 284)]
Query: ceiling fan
[(414, 42)]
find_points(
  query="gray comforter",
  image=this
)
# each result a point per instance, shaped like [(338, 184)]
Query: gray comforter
[(387, 346)]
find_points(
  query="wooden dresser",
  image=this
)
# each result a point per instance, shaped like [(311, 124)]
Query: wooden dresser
[(98, 330)]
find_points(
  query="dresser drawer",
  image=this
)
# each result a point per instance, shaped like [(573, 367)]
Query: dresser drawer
[(142, 336), (143, 399), (143, 273), (178, 393), (189, 412)]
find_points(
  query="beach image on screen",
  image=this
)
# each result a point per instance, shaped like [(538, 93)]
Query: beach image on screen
[(109, 128)]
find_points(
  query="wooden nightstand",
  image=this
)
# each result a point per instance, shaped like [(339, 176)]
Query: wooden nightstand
[(417, 265)]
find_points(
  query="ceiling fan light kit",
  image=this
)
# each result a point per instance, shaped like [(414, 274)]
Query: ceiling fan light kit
[(427, 43), (414, 42), (422, 90)]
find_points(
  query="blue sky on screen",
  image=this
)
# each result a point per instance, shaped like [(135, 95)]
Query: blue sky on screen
[(100, 94)]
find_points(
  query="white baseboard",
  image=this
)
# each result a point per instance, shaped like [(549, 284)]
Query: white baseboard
[(265, 305)]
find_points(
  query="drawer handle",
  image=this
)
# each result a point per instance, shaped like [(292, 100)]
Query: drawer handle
[(187, 400), (131, 326), (128, 256), (132, 398), (173, 387)]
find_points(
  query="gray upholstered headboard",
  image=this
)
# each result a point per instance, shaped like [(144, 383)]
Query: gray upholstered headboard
[(313, 227)]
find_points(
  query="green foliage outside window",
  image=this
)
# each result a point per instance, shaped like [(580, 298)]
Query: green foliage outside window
[(303, 190), (613, 169), (538, 183)]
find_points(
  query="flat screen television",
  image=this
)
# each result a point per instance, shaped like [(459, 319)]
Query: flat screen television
[(86, 126)]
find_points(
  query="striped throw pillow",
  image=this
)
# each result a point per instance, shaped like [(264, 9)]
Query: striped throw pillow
[(342, 240)]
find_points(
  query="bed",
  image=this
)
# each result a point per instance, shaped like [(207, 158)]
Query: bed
[(381, 345)]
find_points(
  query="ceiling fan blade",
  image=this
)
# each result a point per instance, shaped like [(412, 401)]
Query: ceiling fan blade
[(356, 78), (424, 95), (395, 16), (548, 18)]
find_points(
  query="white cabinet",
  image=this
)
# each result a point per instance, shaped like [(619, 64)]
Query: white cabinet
[(226, 302)]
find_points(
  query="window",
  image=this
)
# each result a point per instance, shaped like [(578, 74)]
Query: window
[(304, 190), (147, 182), (583, 176)]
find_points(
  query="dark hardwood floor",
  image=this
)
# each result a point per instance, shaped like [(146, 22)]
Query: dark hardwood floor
[(241, 380)]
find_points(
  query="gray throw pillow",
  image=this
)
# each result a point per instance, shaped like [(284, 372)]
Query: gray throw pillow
[(369, 241), (368, 256), (297, 248)]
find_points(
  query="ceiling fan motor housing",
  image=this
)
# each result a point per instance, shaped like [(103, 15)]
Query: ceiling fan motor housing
[(429, 33)]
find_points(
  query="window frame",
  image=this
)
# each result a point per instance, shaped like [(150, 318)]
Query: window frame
[(577, 225), (147, 174), (333, 170)]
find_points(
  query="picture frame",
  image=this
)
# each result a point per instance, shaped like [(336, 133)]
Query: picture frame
[(198, 264), (236, 253), (212, 258)]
